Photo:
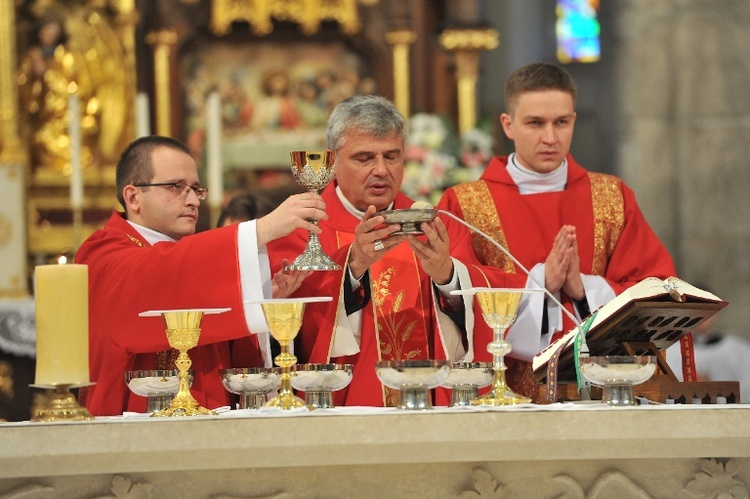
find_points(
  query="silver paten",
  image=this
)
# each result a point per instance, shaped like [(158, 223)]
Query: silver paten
[(409, 219), (617, 374), (465, 379), (252, 384), (319, 381), (413, 379), (157, 385)]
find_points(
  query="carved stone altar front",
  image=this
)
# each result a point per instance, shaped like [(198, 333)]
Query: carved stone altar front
[(558, 451)]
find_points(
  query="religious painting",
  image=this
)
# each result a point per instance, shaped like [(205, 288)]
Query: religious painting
[(275, 97)]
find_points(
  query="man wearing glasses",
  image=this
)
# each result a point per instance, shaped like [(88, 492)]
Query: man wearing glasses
[(150, 258)]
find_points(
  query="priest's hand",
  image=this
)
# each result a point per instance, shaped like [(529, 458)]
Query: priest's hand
[(372, 240), (433, 251), (286, 282), (294, 213), (573, 285), (562, 269)]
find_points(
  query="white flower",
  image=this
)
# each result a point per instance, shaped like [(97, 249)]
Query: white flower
[(436, 160)]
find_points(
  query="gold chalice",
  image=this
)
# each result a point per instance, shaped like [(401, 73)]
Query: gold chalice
[(313, 170), (183, 331), (499, 308), (284, 319)]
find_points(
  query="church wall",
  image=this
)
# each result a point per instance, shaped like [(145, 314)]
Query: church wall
[(683, 78)]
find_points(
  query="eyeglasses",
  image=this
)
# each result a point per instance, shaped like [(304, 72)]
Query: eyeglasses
[(179, 188)]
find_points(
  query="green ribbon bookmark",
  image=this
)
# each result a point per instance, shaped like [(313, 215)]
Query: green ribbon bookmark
[(578, 343)]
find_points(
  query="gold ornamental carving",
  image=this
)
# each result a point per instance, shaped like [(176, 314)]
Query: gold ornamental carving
[(11, 151), (261, 13), (466, 44), (469, 39)]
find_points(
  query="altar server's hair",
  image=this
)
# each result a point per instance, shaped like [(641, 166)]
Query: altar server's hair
[(366, 114), (537, 77), (134, 166)]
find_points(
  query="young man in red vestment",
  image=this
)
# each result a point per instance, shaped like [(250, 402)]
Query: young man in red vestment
[(391, 300), (150, 258), (580, 233)]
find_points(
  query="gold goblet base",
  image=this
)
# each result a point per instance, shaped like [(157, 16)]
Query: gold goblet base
[(172, 412), (286, 401), (500, 394), (62, 406)]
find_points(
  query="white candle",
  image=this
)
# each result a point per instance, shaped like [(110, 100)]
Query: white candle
[(142, 116), (62, 324), (76, 173), (214, 167)]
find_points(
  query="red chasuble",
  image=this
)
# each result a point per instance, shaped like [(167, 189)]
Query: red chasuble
[(399, 322), (128, 276), (614, 239)]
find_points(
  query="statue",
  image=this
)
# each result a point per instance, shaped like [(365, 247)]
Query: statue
[(75, 52)]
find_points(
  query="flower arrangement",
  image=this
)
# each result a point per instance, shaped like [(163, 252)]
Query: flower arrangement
[(435, 158)]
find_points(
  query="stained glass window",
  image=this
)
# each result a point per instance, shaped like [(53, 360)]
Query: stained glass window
[(578, 31)]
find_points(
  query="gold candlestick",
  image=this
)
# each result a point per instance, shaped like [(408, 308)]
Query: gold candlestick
[(183, 331), (284, 319), (61, 406)]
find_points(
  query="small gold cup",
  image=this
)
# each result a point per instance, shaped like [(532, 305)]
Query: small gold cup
[(183, 332), (284, 319)]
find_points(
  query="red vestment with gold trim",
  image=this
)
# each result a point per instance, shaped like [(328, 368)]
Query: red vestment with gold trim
[(399, 322), (614, 238), (127, 276)]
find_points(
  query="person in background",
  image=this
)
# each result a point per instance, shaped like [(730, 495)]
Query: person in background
[(150, 258), (391, 300), (243, 207), (581, 234)]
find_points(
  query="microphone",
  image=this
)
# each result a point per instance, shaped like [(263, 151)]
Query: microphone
[(423, 205)]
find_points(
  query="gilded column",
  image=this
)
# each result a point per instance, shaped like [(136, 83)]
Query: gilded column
[(162, 42), (10, 143), (13, 272), (127, 20), (400, 39), (466, 43)]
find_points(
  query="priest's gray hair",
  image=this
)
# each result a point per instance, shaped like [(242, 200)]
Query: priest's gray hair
[(365, 114)]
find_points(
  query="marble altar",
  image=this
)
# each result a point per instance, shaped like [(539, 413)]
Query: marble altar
[(560, 450)]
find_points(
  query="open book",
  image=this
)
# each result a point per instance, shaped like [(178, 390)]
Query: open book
[(653, 311)]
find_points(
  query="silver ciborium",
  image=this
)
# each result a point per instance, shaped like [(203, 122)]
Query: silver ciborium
[(252, 384), (319, 381), (465, 379), (313, 170), (413, 379), (159, 386), (617, 374)]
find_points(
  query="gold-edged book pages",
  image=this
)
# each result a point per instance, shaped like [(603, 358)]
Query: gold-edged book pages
[(653, 311)]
